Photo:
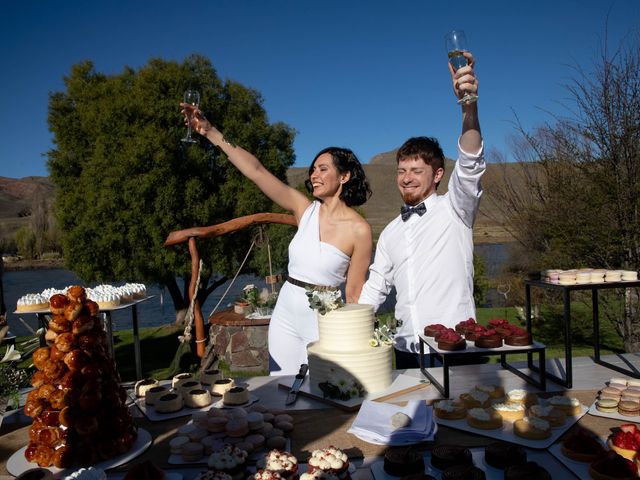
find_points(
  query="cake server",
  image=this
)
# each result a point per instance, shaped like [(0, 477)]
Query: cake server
[(297, 383)]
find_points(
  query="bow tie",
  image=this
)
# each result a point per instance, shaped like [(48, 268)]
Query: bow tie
[(406, 211)]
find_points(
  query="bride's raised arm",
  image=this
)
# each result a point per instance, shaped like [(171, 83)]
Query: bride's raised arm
[(287, 197)]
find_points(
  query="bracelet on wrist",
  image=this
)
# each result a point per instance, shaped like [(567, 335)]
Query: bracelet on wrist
[(228, 142)]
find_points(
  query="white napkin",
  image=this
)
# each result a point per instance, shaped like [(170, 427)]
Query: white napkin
[(373, 423)]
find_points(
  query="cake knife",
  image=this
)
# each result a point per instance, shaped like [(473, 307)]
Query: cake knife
[(297, 383)]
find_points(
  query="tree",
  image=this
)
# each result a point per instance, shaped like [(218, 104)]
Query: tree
[(26, 242), (39, 221), (577, 199), (124, 180)]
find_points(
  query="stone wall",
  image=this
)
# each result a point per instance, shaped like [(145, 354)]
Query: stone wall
[(240, 342)]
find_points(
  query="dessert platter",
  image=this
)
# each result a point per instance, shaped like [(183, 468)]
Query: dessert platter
[(252, 431), (433, 464), (231, 461), (618, 399), (584, 276), (588, 456), (107, 297), (18, 464), (167, 476), (185, 394), (516, 416)]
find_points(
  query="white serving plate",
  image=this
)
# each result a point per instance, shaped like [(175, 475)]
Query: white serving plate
[(167, 476), (580, 469), (555, 468), (506, 432), (185, 411), (253, 457), (616, 416), (17, 464)]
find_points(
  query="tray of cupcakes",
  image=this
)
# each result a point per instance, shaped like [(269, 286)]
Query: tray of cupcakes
[(497, 461), (589, 456), (470, 336), (618, 399), (232, 462), (186, 393), (516, 416)]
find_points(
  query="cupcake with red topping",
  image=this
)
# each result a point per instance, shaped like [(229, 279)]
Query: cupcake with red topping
[(488, 339), (450, 340)]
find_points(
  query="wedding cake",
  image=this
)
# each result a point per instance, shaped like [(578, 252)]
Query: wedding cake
[(344, 362)]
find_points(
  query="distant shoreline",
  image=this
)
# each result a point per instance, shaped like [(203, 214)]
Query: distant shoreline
[(17, 265)]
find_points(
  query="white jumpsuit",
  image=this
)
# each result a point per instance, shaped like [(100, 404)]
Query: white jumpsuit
[(293, 323)]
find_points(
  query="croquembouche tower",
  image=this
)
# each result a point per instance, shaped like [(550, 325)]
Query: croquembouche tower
[(78, 405)]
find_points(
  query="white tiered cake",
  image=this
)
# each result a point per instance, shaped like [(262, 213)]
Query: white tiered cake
[(343, 354)]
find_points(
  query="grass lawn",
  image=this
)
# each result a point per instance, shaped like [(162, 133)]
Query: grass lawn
[(158, 345)]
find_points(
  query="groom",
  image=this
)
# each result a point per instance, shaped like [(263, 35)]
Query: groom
[(427, 251)]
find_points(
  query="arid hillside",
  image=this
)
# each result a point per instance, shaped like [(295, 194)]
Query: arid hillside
[(17, 200), (385, 202), (18, 197)]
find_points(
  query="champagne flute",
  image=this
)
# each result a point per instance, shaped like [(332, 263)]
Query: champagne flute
[(456, 43), (192, 97)]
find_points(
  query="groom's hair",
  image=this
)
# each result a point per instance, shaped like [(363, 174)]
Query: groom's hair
[(426, 148), (356, 190)]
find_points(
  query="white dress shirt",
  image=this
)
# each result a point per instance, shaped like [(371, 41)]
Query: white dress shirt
[(429, 258)]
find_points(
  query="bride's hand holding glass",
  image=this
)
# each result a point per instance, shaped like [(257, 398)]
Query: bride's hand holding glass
[(194, 119)]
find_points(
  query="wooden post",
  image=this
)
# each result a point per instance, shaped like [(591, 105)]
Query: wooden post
[(190, 234), (197, 311)]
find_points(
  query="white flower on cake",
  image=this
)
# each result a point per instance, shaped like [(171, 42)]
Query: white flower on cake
[(324, 301), (382, 336), (342, 388)]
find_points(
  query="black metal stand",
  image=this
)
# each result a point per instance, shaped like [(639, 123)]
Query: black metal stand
[(471, 352), (566, 321)]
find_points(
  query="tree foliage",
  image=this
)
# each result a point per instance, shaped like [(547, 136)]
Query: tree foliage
[(124, 180), (577, 201)]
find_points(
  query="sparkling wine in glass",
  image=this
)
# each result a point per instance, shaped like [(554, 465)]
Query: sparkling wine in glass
[(456, 43), (192, 97)]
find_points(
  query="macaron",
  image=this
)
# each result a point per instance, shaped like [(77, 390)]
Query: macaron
[(192, 451), (618, 386), (610, 392), (633, 395), (620, 380), (176, 444), (629, 409), (607, 405)]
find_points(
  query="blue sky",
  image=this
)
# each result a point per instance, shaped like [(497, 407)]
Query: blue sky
[(360, 74)]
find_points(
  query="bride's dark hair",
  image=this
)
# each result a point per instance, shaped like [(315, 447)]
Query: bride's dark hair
[(356, 190)]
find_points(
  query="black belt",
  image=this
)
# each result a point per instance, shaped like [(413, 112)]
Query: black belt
[(319, 288)]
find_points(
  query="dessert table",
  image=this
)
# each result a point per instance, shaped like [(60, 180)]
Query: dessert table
[(566, 290), (316, 425)]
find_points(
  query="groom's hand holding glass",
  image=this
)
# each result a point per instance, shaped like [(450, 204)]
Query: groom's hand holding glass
[(465, 83)]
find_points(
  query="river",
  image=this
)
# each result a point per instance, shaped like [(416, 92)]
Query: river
[(159, 310)]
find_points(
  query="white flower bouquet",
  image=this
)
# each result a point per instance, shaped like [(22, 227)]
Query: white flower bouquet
[(324, 301)]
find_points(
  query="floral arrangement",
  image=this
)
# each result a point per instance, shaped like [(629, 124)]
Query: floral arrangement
[(259, 298), (12, 378), (341, 388), (383, 335), (324, 301)]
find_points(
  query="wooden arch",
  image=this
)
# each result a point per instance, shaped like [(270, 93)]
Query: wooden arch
[(191, 234)]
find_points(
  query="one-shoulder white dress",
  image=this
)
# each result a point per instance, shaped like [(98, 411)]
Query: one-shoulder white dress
[(293, 323)]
